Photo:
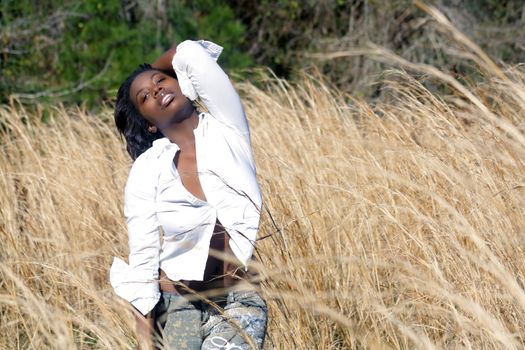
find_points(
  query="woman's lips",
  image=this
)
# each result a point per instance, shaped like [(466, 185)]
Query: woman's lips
[(166, 100)]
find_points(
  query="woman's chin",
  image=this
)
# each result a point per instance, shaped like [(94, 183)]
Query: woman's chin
[(178, 115)]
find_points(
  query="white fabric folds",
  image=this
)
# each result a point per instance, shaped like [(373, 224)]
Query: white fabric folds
[(186, 86), (140, 291)]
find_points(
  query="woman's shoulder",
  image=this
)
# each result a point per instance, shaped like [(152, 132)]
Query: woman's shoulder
[(144, 159), (152, 154), (144, 168)]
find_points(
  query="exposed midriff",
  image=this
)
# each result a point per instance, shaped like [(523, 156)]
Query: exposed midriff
[(218, 272)]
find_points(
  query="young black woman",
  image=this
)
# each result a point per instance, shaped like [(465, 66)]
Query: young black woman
[(194, 177)]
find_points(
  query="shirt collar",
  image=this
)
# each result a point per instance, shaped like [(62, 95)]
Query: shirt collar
[(162, 144)]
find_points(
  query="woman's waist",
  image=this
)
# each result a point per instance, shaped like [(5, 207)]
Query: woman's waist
[(216, 281), (218, 273), (186, 258)]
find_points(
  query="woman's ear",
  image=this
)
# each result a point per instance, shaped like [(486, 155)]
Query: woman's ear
[(152, 128)]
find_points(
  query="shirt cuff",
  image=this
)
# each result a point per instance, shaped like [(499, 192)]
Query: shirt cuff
[(134, 286), (185, 84)]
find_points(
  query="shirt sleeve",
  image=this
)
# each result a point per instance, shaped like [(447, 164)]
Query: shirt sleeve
[(199, 75), (138, 281)]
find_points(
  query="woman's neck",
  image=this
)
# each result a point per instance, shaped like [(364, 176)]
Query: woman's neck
[(182, 133)]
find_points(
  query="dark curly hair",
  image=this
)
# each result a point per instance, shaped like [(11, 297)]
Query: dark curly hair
[(130, 123)]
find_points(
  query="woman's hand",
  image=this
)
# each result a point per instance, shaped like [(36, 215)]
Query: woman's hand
[(144, 329), (164, 61)]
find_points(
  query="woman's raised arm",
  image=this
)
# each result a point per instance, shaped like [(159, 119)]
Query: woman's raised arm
[(199, 75), (164, 61)]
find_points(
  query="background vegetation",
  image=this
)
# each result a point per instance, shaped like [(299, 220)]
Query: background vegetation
[(392, 223), (79, 51)]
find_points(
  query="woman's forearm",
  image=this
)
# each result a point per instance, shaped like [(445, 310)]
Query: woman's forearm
[(164, 61)]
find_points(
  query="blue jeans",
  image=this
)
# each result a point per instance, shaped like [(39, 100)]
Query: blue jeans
[(197, 324)]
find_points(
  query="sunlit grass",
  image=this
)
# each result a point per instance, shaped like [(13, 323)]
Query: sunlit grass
[(394, 225)]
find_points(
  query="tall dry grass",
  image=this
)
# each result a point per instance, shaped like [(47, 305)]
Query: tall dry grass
[(392, 226)]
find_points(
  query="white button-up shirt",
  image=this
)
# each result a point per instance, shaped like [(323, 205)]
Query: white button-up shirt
[(155, 197)]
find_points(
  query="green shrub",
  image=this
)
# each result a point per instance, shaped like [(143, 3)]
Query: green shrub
[(95, 44)]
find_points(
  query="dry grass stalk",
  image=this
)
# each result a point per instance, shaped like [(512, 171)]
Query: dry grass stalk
[(397, 225)]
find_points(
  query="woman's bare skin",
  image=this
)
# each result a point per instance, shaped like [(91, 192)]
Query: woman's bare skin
[(186, 162)]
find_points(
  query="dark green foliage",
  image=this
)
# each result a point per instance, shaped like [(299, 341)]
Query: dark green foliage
[(286, 30), (80, 51)]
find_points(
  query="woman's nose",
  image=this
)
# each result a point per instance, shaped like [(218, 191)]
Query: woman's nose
[(157, 90)]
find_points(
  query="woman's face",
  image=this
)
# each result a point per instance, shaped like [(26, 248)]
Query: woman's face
[(158, 98)]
